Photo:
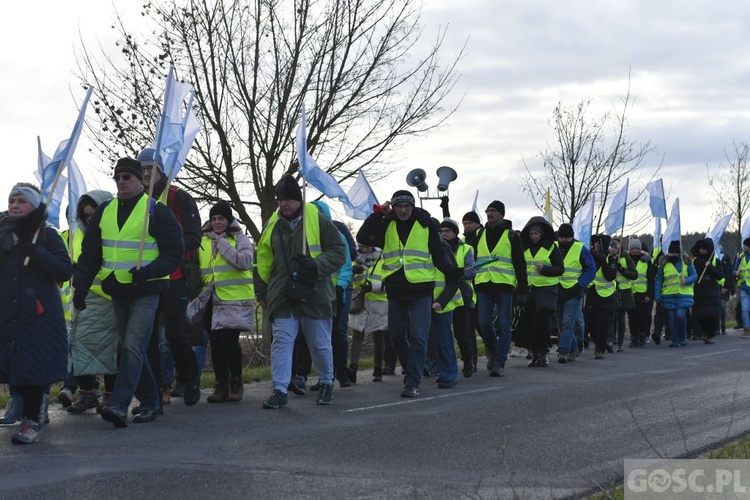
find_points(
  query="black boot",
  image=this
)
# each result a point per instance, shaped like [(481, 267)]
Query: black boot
[(468, 369), (377, 374), (351, 372), (534, 360), (543, 360)]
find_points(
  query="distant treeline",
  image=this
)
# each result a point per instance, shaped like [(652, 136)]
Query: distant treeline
[(730, 242)]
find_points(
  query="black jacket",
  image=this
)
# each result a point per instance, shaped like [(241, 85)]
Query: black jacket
[(162, 226), (516, 255)]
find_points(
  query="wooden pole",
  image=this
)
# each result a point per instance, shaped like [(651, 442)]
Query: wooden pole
[(142, 243), (46, 205)]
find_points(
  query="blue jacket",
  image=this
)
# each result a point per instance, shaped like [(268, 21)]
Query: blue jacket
[(677, 300), (33, 335)]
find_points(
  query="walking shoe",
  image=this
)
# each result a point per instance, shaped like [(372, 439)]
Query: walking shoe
[(516, 352), (147, 415), (609, 348), (674, 344), (619, 348), (351, 372), (683, 343), (377, 375), (497, 371), (572, 356), (343, 379), (534, 361), (65, 397), (409, 391), (44, 410), (220, 394), (598, 355), (642, 340), (325, 394), (543, 360), (178, 391), (236, 389), (446, 384), (297, 385), (562, 358), (165, 396), (389, 370), (656, 338), (27, 432), (106, 398), (192, 391), (708, 340), (468, 369), (277, 400), (114, 416), (633, 342), (86, 400), (13, 411)]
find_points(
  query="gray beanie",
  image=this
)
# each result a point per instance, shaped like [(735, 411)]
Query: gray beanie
[(635, 243)]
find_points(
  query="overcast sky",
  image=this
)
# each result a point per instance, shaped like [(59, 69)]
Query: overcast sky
[(689, 68)]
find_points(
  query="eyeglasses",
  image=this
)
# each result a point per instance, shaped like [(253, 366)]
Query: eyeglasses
[(125, 177)]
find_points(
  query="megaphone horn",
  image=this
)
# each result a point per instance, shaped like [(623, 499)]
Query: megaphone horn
[(446, 175), (416, 178)]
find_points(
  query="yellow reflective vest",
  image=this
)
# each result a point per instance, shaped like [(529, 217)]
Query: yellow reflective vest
[(414, 256), (535, 277), (672, 284), (573, 267), (501, 271), (230, 283)]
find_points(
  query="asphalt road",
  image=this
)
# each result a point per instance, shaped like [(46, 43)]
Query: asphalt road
[(536, 433)]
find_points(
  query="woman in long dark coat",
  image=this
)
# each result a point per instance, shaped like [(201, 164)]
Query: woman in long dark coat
[(33, 336), (707, 290)]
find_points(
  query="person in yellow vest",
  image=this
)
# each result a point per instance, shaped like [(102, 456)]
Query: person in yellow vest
[(226, 260), (495, 284), (624, 300), (600, 296), (369, 312), (544, 266), (579, 272), (293, 285), (412, 254), (639, 319), (110, 252), (93, 333), (673, 289), (742, 273), (706, 311)]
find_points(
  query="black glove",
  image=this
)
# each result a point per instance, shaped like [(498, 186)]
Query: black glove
[(454, 274), (26, 248), (306, 264), (358, 269), (27, 226), (140, 276), (79, 300)]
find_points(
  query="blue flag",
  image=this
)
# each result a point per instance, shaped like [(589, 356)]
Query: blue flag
[(656, 200), (362, 198), (672, 231), (315, 176), (717, 231), (583, 222), (616, 218)]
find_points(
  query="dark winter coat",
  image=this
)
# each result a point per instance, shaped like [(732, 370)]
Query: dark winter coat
[(33, 336), (545, 297), (706, 291)]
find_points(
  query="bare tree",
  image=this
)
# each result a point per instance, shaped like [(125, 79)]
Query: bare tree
[(591, 156), (731, 185), (356, 64)]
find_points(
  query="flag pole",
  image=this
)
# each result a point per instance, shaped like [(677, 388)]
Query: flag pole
[(46, 204), (142, 243), (302, 221)]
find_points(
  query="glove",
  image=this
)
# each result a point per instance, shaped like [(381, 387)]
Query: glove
[(79, 300), (140, 276), (454, 274), (26, 248), (28, 225), (306, 264), (358, 269)]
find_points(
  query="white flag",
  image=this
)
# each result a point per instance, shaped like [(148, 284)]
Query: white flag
[(583, 222), (362, 198), (672, 232), (616, 218)]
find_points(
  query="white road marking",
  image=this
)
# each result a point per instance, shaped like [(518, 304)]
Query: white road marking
[(715, 353), (418, 399)]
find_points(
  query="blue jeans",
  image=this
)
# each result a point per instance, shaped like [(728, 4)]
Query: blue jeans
[(317, 333), (409, 329), (200, 352), (567, 316), (745, 304), (495, 341), (447, 364), (677, 323), (167, 361), (135, 322)]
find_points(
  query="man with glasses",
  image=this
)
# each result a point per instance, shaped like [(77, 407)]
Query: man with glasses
[(496, 282), (412, 254), (135, 272)]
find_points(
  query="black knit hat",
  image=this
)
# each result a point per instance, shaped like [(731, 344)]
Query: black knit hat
[(222, 208), (129, 166), (402, 196), (450, 224), (674, 247), (746, 242), (288, 189), (565, 231), (471, 216), (499, 206)]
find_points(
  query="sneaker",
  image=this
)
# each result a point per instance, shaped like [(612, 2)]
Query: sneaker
[(409, 391), (516, 353), (297, 385), (86, 400), (598, 355), (13, 411), (166, 396), (619, 348), (389, 370), (325, 394), (377, 375), (446, 384), (572, 356), (343, 379), (117, 418), (656, 337), (277, 400), (562, 358), (497, 371), (178, 391), (27, 432), (490, 362), (192, 392), (65, 397), (106, 398)]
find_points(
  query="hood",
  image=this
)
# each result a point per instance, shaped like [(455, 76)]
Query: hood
[(95, 196), (234, 227), (548, 233), (323, 207), (706, 243)]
